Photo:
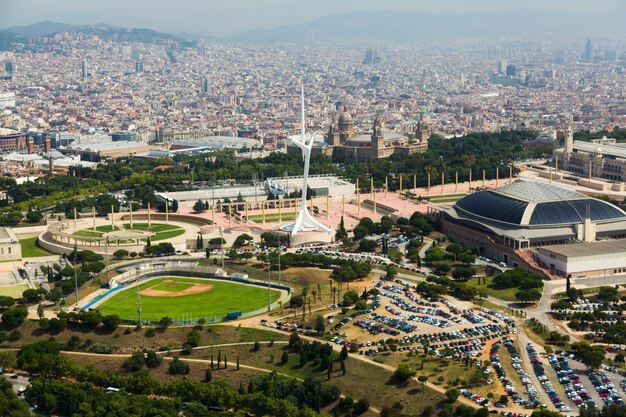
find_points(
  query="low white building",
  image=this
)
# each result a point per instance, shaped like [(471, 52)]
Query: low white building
[(10, 248), (585, 260)]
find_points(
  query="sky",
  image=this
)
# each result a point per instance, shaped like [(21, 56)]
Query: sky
[(226, 17)]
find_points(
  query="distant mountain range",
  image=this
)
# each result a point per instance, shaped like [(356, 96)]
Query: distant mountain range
[(101, 29), (361, 25), (405, 26)]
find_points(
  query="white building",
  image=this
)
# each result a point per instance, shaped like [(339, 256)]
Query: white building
[(7, 100)]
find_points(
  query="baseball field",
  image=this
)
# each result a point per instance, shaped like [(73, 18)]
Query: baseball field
[(186, 298)]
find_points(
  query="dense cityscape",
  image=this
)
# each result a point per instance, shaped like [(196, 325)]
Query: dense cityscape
[(416, 211)]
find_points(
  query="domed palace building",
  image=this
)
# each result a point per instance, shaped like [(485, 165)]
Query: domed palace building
[(344, 144)]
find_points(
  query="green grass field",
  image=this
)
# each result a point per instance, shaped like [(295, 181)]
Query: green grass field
[(31, 248), (507, 294), (446, 198), (13, 290), (90, 233), (273, 217), (223, 298)]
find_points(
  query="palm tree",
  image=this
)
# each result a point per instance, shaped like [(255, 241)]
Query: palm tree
[(319, 290), (314, 294), (334, 294)]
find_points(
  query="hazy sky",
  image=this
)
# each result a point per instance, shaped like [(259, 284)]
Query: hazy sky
[(224, 17)]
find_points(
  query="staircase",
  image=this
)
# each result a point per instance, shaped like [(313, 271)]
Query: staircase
[(529, 257)]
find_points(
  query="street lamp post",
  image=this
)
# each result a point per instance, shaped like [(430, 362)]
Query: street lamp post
[(137, 269)]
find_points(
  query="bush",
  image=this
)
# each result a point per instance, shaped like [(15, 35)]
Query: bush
[(57, 325), (178, 367), (14, 317), (120, 253), (360, 407), (403, 373), (152, 360), (111, 321), (135, 362), (452, 394), (187, 349)]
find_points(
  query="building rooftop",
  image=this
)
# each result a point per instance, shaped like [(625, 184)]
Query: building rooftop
[(604, 247), (605, 149), (537, 192), (533, 204)]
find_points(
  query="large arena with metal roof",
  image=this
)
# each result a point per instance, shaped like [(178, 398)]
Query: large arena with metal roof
[(506, 223)]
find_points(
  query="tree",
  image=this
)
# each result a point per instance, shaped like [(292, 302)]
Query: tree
[(40, 311), (120, 253), (152, 359), (320, 325), (403, 372), (6, 301), (31, 296), (423, 379), (174, 206), (208, 375), (34, 216), (135, 362), (178, 367), (341, 231), (528, 296), (590, 355), (360, 232), (390, 272), (257, 346), (452, 394), (242, 240), (165, 322), (199, 207), (284, 358), (111, 321), (14, 317), (350, 298)]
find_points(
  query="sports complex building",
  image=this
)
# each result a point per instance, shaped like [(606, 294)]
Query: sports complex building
[(541, 227), (253, 195)]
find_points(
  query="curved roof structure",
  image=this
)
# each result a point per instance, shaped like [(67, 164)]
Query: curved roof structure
[(367, 137), (531, 204)]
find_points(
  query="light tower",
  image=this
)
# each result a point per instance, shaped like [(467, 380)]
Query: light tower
[(304, 222)]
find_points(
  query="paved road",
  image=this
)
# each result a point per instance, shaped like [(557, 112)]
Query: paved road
[(17, 383), (523, 341)]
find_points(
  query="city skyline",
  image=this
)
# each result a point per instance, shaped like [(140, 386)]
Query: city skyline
[(243, 15)]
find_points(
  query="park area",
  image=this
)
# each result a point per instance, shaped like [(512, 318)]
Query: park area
[(31, 249), (158, 231), (187, 299)]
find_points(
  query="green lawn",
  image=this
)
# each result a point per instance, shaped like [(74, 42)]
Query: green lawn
[(167, 235), (13, 290), (223, 298), (446, 198), (86, 232), (31, 249), (105, 228), (273, 217), (507, 294), (155, 227)]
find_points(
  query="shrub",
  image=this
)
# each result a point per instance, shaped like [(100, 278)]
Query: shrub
[(135, 362), (178, 367)]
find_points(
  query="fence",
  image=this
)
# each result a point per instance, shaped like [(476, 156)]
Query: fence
[(149, 271)]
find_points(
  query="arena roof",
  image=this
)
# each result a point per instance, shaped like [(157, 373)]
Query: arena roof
[(536, 204)]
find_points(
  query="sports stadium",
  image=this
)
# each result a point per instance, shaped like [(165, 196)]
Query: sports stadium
[(507, 224)]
